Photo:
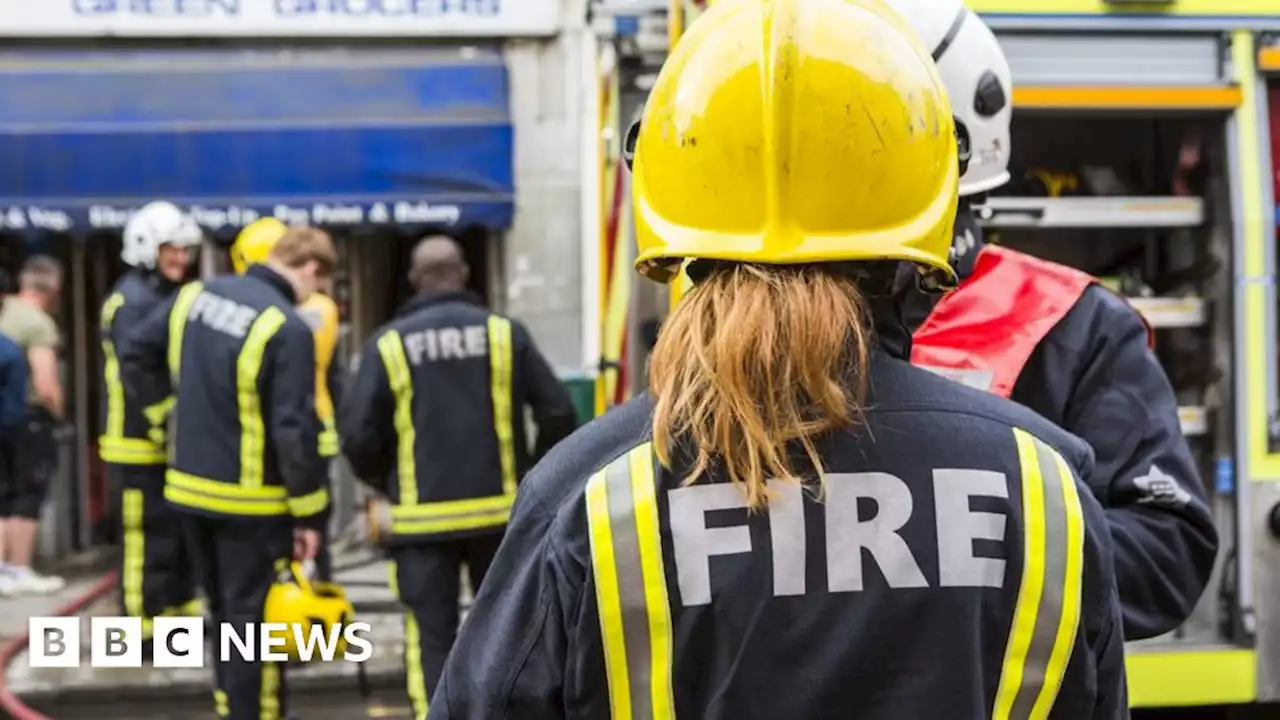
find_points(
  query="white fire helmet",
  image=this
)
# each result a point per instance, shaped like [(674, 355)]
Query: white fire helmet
[(155, 224), (976, 74)]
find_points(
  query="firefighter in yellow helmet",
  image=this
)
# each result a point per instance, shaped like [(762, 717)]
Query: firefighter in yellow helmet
[(244, 470), (252, 246), (796, 522)]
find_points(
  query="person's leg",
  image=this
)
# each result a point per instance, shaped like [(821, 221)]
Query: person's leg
[(250, 551), (7, 480), (198, 542), (480, 553), (426, 583), (168, 580), (324, 555), (37, 464), (132, 546)]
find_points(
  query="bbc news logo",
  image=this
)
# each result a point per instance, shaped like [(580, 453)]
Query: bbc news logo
[(179, 642)]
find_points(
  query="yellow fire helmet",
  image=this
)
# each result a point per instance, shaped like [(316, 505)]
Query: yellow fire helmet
[(796, 131), (254, 243), (295, 600)]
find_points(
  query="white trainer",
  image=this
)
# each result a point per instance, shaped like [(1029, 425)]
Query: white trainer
[(24, 581)]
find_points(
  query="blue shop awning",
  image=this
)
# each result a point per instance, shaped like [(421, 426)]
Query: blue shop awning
[(413, 136)]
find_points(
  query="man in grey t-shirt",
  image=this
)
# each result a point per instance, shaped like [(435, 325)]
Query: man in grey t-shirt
[(33, 454)]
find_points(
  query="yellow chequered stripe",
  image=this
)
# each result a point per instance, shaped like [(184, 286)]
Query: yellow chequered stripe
[(626, 552), (1047, 610)]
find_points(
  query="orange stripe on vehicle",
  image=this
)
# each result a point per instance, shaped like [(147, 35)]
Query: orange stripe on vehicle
[(1125, 98)]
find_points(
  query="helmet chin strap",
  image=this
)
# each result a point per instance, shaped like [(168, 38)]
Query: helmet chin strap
[(964, 147), (629, 144), (968, 240)]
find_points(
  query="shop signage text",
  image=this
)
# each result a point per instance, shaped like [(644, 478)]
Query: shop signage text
[(221, 217), (288, 8), (247, 18)]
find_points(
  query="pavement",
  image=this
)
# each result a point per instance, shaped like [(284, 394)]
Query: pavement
[(364, 576)]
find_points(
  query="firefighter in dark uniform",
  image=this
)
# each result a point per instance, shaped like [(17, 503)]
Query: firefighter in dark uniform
[(797, 523), (1052, 338), (252, 247), (243, 438), (435, 420), (155, 575)]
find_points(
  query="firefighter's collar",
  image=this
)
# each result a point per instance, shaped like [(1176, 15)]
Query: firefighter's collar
[(157, 281), (427, 300), (275, 280)]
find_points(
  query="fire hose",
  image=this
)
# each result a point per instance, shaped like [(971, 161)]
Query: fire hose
[(12, 704)]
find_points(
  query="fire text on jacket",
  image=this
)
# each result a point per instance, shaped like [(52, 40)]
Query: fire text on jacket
[(854, 532), (226, 316), (446, 344)]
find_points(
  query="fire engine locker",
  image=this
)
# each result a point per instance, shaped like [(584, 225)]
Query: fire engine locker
[(1138, 153)]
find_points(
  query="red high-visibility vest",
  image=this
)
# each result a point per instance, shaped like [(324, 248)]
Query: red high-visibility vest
[(983, 333)]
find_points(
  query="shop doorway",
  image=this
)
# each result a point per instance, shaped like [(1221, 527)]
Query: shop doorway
[(373, 281)]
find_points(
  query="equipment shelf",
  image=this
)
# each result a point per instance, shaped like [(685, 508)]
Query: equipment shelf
[(1091, 212), (1194, 419), (1165, 312)]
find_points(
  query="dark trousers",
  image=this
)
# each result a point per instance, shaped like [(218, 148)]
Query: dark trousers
[(156, 576), (425, 579), (30, 463), (324, 557), (237, 561)]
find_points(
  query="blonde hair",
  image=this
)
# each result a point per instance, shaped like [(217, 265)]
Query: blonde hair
[(301, 245), (756, 358)]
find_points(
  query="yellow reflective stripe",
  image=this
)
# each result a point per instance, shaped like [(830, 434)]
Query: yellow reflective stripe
[(500, 391), (609, 606), (224, 506), (129, 451), (158, 413), (222, 497), (1047, 610), (134, 542), (451, 515), (269, 699), (309, 504), (427, 511), (248, 365), (111, 369), (113, 446), (631, 587), (475, 521), (328, 445), (178, 324), (415, 682), (192, 607), (328, 438), (1072, 589), (397, 365), (645, 496)]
